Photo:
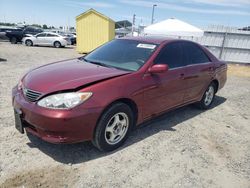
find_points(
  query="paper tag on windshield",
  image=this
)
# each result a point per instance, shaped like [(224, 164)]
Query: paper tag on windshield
[(148, 46)]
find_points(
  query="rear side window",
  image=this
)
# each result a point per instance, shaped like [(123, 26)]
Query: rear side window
[(194, 54), (41, 35), (171, 55), (51, 35)]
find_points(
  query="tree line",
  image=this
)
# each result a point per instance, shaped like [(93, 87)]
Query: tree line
[(44, 26)]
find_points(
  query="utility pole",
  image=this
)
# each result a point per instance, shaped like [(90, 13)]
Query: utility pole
[(133, 25), (153, 12), (223, 45)]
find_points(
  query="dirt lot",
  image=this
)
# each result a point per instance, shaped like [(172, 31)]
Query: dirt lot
[(183, 148)]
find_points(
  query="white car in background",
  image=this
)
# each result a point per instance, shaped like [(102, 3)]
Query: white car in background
[(46, 39)]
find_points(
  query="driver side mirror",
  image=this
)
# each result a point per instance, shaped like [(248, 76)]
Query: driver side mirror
[(159, 68)]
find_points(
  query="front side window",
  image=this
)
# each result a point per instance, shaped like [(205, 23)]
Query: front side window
[(41, 35), (171, 55), (122, 54), (195, 55), (51, 35)]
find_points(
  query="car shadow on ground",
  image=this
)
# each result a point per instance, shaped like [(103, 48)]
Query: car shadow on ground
[(63, 47), (36, 46), (82, 152)]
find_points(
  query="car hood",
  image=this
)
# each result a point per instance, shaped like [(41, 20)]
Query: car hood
[(65, 75), (28, 35)]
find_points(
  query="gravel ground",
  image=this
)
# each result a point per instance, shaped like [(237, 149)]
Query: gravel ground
[(183, 148)]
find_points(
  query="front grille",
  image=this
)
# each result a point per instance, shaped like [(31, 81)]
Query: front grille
[(31, 95)]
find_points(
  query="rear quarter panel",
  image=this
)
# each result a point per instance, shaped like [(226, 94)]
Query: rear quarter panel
[(220, 68), (221, 73)]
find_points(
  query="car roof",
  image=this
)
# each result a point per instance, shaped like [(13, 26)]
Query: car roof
[(151, 39), (46, 32)]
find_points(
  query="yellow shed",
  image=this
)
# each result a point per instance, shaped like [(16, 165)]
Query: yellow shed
[(93, 29)]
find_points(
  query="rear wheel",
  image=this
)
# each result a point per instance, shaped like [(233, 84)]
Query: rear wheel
[(113, 127), (29, 43), (208, 97), (57, 44), (13, 40)]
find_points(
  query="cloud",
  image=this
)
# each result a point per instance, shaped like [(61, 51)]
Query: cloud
[(171, 6), (137, 18), (89, 4), (99, 4), (226, 3)]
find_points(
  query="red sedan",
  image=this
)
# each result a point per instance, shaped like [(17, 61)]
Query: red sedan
[(103, 95)]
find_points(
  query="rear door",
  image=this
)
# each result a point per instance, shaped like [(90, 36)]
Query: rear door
[(199, 71), (51, 38), (165, 90)]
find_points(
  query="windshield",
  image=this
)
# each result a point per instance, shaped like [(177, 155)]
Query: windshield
[(122, 54)]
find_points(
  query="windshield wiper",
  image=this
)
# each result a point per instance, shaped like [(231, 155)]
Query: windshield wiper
[(83, 59), (97, 63), (103, 64)]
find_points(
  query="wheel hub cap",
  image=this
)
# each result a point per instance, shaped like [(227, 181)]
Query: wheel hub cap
[(116, 128), (209, 95)]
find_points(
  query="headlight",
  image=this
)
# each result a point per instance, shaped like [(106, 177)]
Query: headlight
[(64, 100)]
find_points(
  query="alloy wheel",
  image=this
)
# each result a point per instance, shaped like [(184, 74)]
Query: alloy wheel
[(209, 95), (116, 128)]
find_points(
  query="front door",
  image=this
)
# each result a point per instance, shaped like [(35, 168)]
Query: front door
[(41, 39), (166, 90), (51, 38)]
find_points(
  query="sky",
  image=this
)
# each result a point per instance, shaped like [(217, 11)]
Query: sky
[(200, 13)]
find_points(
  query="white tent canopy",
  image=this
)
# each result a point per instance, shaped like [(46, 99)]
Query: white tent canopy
[(173, 27)]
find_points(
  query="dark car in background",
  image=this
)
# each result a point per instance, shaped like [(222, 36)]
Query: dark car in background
[(3, 31), (17, 35), (102, 96), (72, 37)]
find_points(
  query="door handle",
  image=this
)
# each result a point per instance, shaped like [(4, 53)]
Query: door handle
[(191, 77), (182, 75), (211, 68)]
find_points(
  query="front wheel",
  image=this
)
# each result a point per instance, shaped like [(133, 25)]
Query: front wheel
[(13, 40), (208, 97), (57, 44), (113, 127), (28, 43)]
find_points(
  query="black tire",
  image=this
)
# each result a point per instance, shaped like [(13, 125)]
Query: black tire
[(101, 135), (13, 40), (57, 44), (28, 43), (204, 104)]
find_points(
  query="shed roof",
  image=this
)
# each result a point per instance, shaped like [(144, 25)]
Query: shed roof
[(95, 12)]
